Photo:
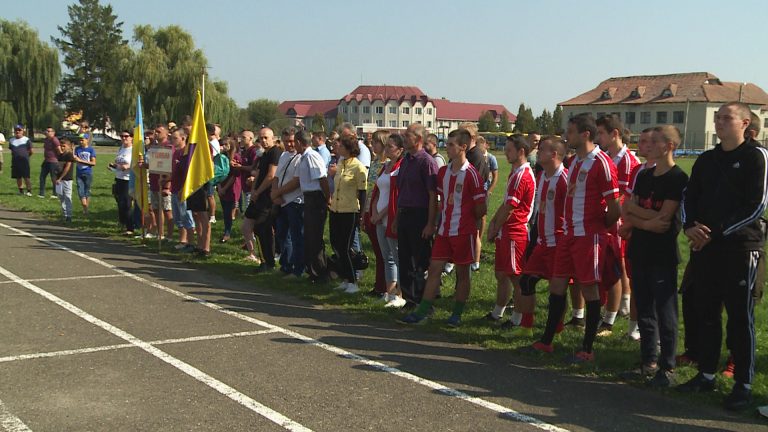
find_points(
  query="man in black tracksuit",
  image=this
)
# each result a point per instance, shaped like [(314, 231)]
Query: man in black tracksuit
[(725, 199)]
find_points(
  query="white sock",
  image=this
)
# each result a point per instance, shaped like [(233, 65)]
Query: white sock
[(747, 386), (632, 327), (517, 317), (708, 376), (498, 311), (578, 313), (609, 318), (625, 303), (475, 266)]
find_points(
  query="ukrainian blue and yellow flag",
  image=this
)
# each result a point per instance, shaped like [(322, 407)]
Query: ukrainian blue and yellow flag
[(140, 174), (200, 165)]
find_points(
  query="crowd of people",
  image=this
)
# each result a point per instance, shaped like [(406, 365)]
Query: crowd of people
[(580, 211)]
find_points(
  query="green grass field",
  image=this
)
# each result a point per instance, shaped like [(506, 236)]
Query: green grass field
[(614, 354)]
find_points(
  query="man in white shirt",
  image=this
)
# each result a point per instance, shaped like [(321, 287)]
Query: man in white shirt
[(286, 193), (2, 141), (312, 177)]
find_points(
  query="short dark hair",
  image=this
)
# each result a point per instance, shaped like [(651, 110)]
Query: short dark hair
[(584, 122), (398, 140), (349, 142), (647, 130), (611, 122), (558, 146), (303, 137), (321, 134), (754, 123), (210, 128), (741, 107), (462, 136), (289, 131), (520, 143)]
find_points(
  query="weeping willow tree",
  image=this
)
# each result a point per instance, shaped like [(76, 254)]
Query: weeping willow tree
[(30, 74), (167, 70)]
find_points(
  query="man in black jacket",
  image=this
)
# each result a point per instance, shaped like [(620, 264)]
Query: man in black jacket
[(724, 202)]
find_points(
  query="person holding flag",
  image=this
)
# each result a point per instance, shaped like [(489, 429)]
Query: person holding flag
[(137, 166), (199, 173)]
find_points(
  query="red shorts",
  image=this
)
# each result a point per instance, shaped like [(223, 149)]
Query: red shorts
[(509, 255), (541, 261), (580, 258), (459, 249)]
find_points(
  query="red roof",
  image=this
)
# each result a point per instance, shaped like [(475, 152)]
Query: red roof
[(308, 108), (447, 110), (385, 93)]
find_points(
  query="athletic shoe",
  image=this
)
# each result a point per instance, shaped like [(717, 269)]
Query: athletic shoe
[(189, 248), (149, 236), (475, 266), (448, 268), (30, 194), (212, 220), (508, 325), (396, 302), (729, 367), (41, 196), (643, 372), (540, 346), (634, 335), (224, 239), (490, 318), (575, 323), (386, 298), (740, 398), (580, 358), (180, 246), (605, 329), (697, 384), (200, 253), (352, 288), (342, 287), (522, 332), (662, 379), (412, 319), (128, 233), (252, 258), (51, 197), (454, 321), (264, 268), (685, 359)]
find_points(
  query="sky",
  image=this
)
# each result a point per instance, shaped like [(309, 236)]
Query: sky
[(502, 52)]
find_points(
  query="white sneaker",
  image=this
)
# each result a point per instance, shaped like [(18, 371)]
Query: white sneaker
[(634, 335), (212, 220), (386, 298), (149, 236), (475, 266), (30, 194), (351, 288), (448, 268), (397, 302), (342, 287)]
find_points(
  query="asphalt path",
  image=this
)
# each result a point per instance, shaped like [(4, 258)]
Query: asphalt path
[(96, 335)]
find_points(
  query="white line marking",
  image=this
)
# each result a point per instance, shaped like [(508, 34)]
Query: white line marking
[(66, 278), (501, 410), (188, 369), (121, 346), (10, 422)]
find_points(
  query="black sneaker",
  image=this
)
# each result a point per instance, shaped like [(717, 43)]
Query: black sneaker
[(575, 323), (507, 325), (490, 318), (605, 329), (643, 372), (200, 253), (697, 384), (662, 379), (740, 398), (264, 268)]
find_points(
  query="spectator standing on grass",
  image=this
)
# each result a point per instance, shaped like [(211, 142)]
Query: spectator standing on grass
[(2, 142), (182, 217), (85, 156), (63, 179), (231, 188), (477, 159), (21, 150), (430, 146), (286, 194), (260, 209), (51, 152), (121, 166), (378, 164)]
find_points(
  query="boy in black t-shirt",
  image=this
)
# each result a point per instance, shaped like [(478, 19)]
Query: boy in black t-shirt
[(654, 215), (63, 182)]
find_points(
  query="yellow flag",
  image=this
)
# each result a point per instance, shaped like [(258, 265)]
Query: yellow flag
[(200, 164), (140, 174)]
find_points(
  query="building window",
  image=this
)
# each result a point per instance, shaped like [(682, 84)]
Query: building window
[(429, 124), (393, 123), (406, 110), (393, 110), (429, 111), (630, 116), (678, 117), (599, 115), (380, 123), (765, 123), (405, 123), (366, 110), (344, 109), (645, 117), (661, 117), (379, 110), (418, 111)]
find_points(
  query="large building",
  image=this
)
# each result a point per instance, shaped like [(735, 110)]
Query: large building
[(392, 108), (687, 100)]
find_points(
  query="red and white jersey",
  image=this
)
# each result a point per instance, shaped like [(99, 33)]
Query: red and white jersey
[(625, 162), (633, 176), (521, 188), (459, 193), (551, 192), (592, 181)]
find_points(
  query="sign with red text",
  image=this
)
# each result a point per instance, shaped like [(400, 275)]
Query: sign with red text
[(160, 160)]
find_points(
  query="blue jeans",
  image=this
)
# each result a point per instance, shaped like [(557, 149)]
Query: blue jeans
[(84, 181), (181, 216), (290, 235), (226, 208)]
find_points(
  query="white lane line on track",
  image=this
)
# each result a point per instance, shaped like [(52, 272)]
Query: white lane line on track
[(10, 422), (121, 346), (188, 369), (499, 409), (67, 278)]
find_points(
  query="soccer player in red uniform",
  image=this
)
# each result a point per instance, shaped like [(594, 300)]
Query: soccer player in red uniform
[(591, 206), (509, 226), (462, 199), (609, 136), (551, 186)]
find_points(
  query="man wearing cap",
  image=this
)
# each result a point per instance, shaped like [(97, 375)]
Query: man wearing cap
[(51, 152), (21, 150)]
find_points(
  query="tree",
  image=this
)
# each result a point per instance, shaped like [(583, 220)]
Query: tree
[(30, 73), (318, 123), (557, 121), (338, 121), (262, 112), (544, 124), (486, 122), (89, 43), (505, 125), (525, 122)]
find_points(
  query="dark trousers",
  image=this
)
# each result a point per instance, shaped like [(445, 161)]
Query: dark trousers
[(264, 232), (314, 227), (690, 326), (290, 236), (123, 199), (413, 252), (226, 209), (655, 291), (342, 232), (47, 169), (726, 277)]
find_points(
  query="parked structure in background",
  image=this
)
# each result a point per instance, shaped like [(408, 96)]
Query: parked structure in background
[(393, 108), (687, 100)]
